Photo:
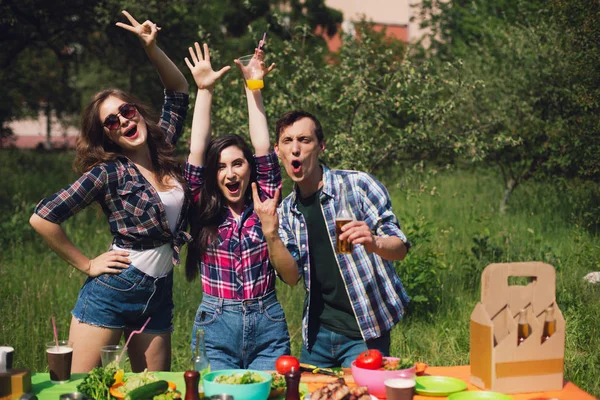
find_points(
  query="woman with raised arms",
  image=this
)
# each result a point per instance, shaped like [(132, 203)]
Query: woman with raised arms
[(235, 231), (125, 155)]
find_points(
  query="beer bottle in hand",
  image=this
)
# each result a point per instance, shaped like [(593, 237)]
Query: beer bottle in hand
[(342, 217), (549, 324), (524, 329)]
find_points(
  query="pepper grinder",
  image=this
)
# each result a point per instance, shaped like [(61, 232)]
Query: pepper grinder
[(292, 381), (191, 385)]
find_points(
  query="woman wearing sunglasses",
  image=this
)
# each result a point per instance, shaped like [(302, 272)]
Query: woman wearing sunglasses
[(244, 323), (127, 167)]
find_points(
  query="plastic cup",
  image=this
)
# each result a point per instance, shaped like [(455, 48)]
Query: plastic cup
[(110, 353), (59, 360), (253, 73), (400, 388)]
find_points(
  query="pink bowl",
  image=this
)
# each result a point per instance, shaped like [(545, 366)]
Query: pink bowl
[(374, 379)]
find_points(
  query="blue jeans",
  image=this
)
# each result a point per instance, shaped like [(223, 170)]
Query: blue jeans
[(126, 300), (246, 334), (330, 349)]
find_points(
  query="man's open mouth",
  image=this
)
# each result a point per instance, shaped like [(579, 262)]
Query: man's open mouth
[(296, 165), (233, 187), (131, 132)]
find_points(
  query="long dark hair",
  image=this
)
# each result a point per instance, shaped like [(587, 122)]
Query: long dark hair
[(94, 147), (208, 213)]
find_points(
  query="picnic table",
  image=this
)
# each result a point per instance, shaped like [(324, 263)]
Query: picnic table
[(45, 390)]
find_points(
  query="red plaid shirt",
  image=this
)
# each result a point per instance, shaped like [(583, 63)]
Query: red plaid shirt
[(136, 215), (236, 264)]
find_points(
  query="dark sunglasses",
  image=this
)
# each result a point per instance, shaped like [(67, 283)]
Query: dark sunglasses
[(126, 110)]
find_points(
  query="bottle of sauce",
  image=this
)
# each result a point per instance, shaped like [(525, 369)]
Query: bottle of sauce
[(549, 324), (523, 329), (191, 385), (200, 360), (292, 381)]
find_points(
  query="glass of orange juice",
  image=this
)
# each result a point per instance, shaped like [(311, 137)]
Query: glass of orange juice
[(253, 73)]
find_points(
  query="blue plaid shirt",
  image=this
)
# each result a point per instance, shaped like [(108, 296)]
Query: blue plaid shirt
[(135, 213), (374, 288)]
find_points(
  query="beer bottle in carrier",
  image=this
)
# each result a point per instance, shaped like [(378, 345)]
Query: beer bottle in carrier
[(342, 217), (523, 329), (549, 324), (200, 360)]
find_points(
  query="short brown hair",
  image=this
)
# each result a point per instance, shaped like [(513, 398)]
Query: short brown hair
[(288, 119)]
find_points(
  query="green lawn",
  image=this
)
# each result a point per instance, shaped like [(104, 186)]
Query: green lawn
[(451, 216)]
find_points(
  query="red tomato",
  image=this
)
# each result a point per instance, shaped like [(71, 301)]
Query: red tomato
[(284, 364), (370, 359)]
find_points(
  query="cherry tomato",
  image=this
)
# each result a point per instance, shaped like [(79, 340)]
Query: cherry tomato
[(370, 359), (284, 364)]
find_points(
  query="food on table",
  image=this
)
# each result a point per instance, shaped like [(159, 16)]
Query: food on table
[(370, 359), (148, 391), (278, 381), (135, 381), (148, 381), (396, 364), (284, 364), (420, 368), (240, 379), (338, 390), (98, 382), (277, 385), (119, 375)]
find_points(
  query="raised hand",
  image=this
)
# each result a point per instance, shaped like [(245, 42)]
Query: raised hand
[(146, 32), (201, 69), (256, 63), (266, 211), (111, 262)]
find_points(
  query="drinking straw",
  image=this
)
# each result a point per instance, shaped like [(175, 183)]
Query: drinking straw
[(262, 41), (130, 336), (55, 332)]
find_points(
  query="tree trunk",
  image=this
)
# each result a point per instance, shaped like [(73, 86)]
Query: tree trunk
[(510, 186), (48, 126)]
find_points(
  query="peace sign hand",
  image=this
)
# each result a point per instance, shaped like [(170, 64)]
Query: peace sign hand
[(266, 211), (201, 68), (146, 32)]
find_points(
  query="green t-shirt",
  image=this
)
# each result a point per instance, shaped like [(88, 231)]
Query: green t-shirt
[(328, 297)]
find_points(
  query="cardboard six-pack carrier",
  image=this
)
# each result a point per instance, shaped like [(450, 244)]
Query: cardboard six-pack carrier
[(498, 362)]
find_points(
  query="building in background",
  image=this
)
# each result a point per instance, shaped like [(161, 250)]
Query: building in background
[(31, 133), (393, 15)]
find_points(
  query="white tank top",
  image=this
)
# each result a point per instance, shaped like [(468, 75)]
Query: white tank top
[(158, 261)]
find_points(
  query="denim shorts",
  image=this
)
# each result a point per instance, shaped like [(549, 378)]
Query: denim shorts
[(126, 300), (331, 349), (246, 334)]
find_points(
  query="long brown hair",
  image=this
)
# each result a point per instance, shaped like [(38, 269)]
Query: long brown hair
[(208, 213), (94, 147)]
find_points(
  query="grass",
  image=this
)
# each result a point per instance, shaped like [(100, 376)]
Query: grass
[(451, 215)]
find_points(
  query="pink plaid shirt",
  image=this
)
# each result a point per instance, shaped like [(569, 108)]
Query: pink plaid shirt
[(236, 264)]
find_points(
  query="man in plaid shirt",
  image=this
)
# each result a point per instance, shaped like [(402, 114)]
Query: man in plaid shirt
[(352, 300)]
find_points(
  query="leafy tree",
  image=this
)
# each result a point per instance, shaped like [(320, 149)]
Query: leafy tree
[(533, 108), (55, 55)]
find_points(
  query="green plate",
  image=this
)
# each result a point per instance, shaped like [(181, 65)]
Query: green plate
[(479, 396), (438, 385)]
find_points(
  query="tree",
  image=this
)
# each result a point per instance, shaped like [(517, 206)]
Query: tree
[(55, 55), (533, 111)]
